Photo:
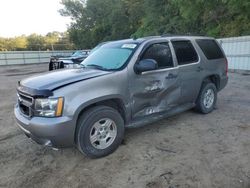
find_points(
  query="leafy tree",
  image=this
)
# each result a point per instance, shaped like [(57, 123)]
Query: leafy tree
[(36, 42), (98, 21), (95, 21), (2, 44), (63, 42), (52, 41), (19, 43)]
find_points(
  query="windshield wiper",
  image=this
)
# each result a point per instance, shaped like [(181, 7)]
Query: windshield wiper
[(82, 66), (96, 66)]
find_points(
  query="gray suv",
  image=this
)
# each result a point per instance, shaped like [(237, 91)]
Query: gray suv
[(125, 83)]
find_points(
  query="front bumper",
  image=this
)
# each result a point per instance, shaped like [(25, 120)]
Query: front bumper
[(55, 132)]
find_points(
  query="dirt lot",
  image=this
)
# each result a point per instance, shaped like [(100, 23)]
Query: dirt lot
[(187, 150)]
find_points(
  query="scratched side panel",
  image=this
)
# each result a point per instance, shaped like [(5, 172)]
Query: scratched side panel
[(154, 93)]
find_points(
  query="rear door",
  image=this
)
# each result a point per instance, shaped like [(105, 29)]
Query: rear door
[(189, 69), (158, 90), (215, 60)]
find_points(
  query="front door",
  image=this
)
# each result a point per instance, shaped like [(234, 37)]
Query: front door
[(158, 90)]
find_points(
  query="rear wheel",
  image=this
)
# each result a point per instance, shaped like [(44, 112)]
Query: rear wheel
[(207, 98), (51, 66), (100, 131), (60, 65)]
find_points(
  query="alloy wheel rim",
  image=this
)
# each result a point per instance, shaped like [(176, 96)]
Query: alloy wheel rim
[(208, 98), (103, 133)]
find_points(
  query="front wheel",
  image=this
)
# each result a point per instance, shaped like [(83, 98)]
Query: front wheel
[(100, 131), (207, 98)]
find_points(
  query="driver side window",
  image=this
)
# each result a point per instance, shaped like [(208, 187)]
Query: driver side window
[(161, 53)]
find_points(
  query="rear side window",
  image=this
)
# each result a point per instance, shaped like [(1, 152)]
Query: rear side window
[(210, 48), (161, 53), (185, 52)]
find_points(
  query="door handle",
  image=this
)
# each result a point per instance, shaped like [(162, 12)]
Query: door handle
[(199, 69), (171, 76)]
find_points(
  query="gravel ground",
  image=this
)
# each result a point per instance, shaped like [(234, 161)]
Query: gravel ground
[(187, 150)]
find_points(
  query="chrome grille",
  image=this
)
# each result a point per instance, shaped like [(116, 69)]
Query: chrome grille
[(25, 103)]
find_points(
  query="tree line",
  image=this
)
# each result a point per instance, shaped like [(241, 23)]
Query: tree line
[(95, 21), (51, 41)]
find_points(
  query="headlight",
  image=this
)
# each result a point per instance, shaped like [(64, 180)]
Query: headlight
[(49, 107)]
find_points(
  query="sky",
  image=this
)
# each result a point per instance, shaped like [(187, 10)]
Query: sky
[(18, 17)]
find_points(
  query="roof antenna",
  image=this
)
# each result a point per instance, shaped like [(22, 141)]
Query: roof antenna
[(134, 37)]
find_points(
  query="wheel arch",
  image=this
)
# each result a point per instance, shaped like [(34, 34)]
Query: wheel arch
[(214, 78), (115, 102)]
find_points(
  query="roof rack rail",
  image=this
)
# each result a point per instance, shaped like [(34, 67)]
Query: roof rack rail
[(169, 35), (186, 34), (149, 37)]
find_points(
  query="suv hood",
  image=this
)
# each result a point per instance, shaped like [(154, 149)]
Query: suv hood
[(44, 84), (71, 57), (71, 60)]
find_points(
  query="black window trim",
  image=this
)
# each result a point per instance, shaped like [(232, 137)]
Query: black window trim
[(194, 62), (160, 70)]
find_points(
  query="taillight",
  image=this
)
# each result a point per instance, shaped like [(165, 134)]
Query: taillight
[(226, 66)]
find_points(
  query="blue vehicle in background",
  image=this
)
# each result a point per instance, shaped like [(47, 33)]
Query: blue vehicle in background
[(73, 61)]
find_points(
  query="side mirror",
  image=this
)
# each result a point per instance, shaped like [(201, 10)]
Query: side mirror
[(145, 65)]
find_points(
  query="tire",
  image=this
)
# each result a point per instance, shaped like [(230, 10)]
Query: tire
[(50, 66), (207, 98), (94, 124), (53, 66), (61, 65)]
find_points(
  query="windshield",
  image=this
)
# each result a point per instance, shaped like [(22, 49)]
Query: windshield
[(77, 53), (109, 57)]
